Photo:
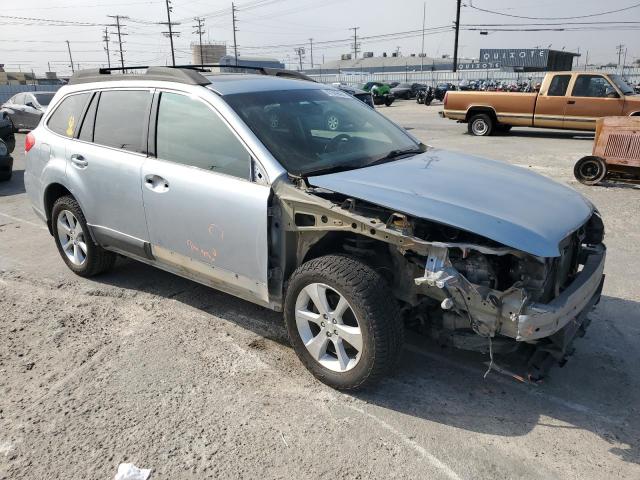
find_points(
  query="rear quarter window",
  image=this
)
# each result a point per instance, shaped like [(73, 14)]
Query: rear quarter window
[(66, 116)]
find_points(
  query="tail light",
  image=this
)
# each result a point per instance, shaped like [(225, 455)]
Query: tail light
[(446, 97), (29, 142)]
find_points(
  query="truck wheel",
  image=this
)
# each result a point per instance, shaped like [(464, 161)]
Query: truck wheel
[(342, 322), (590, 170), (481, 125), (74, 242)]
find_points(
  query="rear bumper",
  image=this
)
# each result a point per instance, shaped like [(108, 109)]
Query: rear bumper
[(565, 314)]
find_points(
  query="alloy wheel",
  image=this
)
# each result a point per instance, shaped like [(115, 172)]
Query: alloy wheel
[(328, 327), (72, 237)]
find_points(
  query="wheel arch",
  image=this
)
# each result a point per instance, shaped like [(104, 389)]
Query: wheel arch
[(53, 192), (481, 109)]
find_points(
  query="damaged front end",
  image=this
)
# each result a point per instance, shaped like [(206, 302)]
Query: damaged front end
[(460, 288)]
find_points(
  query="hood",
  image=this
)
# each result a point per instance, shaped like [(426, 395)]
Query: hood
[(502, 202)]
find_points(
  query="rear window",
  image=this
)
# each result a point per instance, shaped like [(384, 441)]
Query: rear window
[(44, 99), (558, 87), (122, 118), (66, 116)]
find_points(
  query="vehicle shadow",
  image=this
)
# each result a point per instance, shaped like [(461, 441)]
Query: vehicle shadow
[(527, 133), (596, 391), (15, 186)]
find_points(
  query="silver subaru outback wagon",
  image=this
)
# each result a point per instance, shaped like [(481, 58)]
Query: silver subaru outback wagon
[(241, 182)]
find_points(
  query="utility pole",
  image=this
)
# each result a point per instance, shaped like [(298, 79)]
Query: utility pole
[(311, 44), (424, 19), (355, 41), (619, 49), (70, 57), (235, 29), (200, 31), (106, 45), (118, 18), (455, 46), (170, 33), (624, 61), (300, 52)]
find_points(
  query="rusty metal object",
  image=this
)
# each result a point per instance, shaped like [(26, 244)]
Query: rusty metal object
[(616, 152)]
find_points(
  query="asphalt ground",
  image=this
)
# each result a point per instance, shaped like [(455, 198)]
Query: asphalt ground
[(141, 366)]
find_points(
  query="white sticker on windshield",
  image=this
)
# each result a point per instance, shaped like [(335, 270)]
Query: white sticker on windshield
[(337, 93)]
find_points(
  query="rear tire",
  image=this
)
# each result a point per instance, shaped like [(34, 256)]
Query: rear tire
[(79, 252), (590, 170), (481, 125), (5, 177), (347, 350)]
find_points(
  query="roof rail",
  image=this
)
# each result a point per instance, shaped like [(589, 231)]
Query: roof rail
[(169, 74), (188, 74)]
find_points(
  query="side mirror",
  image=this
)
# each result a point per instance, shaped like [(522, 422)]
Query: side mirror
[(30, 104)]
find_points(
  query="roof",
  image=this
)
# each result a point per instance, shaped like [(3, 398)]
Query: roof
[(229, 84)]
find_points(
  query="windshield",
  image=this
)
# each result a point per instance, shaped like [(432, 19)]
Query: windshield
[(622, 85), (318, 131)]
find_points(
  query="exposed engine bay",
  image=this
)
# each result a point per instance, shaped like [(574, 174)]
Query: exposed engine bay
[(459, 288)]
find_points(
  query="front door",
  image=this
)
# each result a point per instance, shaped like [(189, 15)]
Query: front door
[(104, 165), (205, 215), (31, 113), (592, 97)]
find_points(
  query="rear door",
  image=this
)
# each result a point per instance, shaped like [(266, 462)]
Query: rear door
[(551, 102), (204, 213), (592, 96), (105, 163)]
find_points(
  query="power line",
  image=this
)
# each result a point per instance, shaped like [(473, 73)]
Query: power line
[(636, 5)]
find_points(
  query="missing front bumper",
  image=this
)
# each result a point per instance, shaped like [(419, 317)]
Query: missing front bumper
[(537, 321)]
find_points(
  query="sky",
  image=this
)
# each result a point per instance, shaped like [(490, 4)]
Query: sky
[(34, 32)]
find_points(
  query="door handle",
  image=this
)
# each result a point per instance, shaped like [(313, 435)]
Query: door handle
[(571, 102), (156, 183), (79, 161)]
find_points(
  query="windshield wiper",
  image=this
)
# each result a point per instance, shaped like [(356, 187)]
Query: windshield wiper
[(393, 154)]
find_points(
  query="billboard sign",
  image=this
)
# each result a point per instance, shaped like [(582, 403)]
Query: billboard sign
[(481, 65), (516, 57)]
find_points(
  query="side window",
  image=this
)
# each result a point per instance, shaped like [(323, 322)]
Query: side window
[(86, 130), (191, 133), (66, 116), (593, 86), (121, 119), (558, 87)]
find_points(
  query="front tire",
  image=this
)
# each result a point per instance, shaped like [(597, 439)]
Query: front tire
[(481, 125), (342, 322), (74, 242)]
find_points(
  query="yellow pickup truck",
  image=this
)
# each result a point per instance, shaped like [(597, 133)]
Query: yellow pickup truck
[(566, 100)]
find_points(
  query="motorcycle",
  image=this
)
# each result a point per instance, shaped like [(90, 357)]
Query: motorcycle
[(383, 99), (425, 96)]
